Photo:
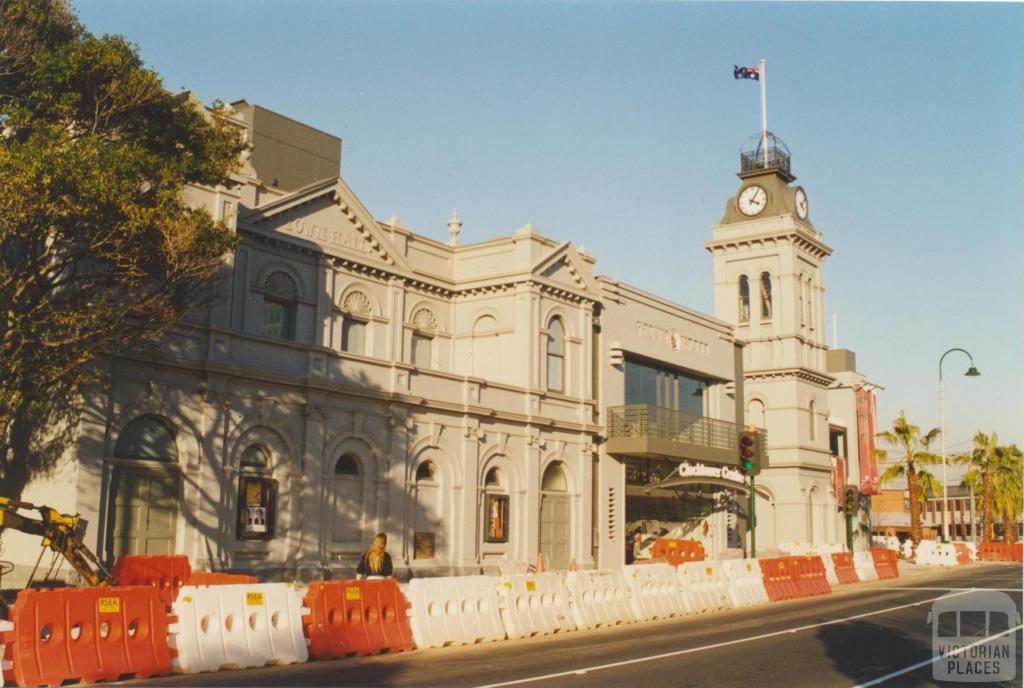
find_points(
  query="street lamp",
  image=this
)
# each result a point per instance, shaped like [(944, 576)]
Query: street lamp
[(971, 372)]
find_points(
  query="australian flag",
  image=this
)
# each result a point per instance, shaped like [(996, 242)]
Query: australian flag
[(746, 73)]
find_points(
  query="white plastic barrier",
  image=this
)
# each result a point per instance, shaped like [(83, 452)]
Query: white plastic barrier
[(5, 664), (455, 610), (795, 549), (237, 626), (888, 542), (864, 565), (598, 598), (534, 604), (931, 553), (705, 586), (830, 570), (654, 591), (906, 549), (746, 582)]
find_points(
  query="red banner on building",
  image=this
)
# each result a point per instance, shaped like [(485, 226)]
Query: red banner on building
[(839, 479), (866, 441)]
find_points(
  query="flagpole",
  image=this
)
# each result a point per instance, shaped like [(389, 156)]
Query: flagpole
[(764, 110)]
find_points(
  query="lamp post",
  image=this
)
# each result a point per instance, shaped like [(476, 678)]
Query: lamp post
[(971, 372)]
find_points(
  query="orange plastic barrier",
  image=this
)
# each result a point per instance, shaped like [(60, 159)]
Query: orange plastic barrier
[(1001, 551), (885, 563), (810, 576), (349, 617), (846, 572), (677, 552), (165, 572), (88, 635), (780, 578), (218, 578), (963, 555)]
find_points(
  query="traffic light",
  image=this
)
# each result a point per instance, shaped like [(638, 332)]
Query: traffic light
[(851, 499), (750, 452)]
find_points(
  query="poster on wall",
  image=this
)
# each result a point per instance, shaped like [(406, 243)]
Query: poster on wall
[(866, 441), (423, 546), (496, 514), (257, 506)]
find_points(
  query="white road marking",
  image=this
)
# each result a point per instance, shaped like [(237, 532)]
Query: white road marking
[(914, 667), (999, 589), (725, 643)]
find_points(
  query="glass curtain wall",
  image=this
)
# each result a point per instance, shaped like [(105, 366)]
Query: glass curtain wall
[(663, 387)]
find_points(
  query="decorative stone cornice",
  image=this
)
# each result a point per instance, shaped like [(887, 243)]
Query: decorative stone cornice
[(798, 373)]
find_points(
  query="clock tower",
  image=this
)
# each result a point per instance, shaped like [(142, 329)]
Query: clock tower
[(768, 259)]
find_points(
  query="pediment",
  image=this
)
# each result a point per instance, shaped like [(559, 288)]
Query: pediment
[(564, 267), (328, 216)]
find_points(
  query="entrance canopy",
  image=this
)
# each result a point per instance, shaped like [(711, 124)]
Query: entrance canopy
[(678, 482)]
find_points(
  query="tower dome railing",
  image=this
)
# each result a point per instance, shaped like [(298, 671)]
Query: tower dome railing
[(753, 156)]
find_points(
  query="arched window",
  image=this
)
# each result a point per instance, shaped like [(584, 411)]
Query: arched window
[(810, 417), (426, 472), (485, 348), (496, 506), (254, 456), (744, 296), (810, 303), (146, 438), (554, 478), (803, 299), (556, 355), (423, 338), (357, 310), (349, 503), (348, 465), (766, 296), (257, 495), (428, 514), (279, 298), (755, 413)]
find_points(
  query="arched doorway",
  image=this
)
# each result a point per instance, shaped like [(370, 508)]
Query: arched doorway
[(554, 516), (145, 486)]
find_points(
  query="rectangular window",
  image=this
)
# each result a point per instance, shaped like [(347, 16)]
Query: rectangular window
[(257, 507), (555, 373), (496, 518), (421, 350), (276, 321), (647, 384), (353, 336)]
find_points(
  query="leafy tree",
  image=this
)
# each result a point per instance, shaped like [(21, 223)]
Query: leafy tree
[(100, 253), (994, 472), (907, 438)]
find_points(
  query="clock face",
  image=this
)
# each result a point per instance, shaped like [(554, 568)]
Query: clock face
[(801, 203), (752, 200)]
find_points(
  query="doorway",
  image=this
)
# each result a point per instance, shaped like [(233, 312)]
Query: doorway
[(145, 487), (554, 517)]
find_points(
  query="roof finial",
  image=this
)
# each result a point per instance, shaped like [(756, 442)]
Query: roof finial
[(454, 228)]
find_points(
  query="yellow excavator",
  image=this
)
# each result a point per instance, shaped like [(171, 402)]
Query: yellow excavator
[(62, 533)]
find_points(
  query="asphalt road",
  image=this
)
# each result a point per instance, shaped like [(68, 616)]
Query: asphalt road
[(858, 634)]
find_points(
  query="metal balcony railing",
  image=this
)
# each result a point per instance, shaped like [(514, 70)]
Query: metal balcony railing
[(645, 420), (648, 430)]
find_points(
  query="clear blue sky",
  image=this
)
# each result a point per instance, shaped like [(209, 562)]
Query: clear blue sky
[(617, 126)]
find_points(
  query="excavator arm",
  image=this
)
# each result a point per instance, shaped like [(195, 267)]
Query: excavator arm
[(62, 533)]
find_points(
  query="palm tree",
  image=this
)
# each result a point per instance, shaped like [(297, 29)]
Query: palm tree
[(915, 455), (1006, 492), (994, 471)]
